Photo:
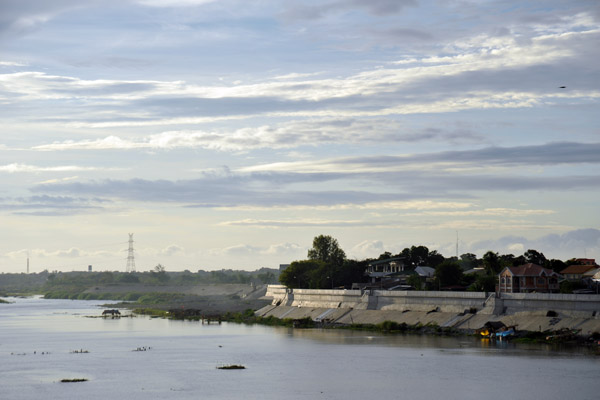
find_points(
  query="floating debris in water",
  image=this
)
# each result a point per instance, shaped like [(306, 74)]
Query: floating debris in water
[(74, 380), (231, 366)]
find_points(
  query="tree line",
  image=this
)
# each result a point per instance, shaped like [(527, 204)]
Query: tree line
[(328, 267)]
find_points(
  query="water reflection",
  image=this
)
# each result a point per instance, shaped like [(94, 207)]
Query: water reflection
[(281, 362)]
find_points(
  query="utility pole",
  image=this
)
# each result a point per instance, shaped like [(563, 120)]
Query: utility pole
[(457, 245), (130, 258)]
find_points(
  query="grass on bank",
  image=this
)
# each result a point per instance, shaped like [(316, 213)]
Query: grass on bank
[(141, 298)]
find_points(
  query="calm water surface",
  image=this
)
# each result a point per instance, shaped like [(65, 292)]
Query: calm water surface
[(181, 361)]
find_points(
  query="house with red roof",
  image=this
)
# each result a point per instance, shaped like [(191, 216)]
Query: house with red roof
[(578, 272), (528, 278)]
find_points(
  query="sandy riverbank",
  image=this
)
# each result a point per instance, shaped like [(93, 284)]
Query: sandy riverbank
[(210, 299)]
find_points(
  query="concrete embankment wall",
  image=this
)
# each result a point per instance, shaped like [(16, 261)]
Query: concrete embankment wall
[(454, 302), (460, 310)]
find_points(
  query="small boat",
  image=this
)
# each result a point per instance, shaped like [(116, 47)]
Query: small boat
[(506, 333)]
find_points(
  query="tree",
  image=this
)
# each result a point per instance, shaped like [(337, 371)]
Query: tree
[(129, 277), (303, 274), (485, 283), (491, 262), (509, 260), (434, 258), (160, 274), (266, 277), (325, 248), (415, 281), (556, 265), (352, 271), (419, 255), (448, 273), (535, 257), (468, 261)]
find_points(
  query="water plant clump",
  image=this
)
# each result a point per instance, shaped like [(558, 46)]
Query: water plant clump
[(231, 366)]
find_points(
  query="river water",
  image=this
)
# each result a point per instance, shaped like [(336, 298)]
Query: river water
[(38, 340)]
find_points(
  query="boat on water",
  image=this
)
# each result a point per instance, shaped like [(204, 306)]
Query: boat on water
[(506, 333)]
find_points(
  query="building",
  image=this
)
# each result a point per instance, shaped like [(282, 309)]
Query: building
[(528, 278), (425, 272), (576, 273), (380, 270), (283, 267), (586, 261)]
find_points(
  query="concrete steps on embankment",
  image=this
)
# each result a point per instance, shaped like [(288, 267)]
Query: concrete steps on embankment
[(525, 322), (459, 310), (316, 314)]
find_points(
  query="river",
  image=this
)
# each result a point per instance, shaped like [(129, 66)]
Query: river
[(39, 339)]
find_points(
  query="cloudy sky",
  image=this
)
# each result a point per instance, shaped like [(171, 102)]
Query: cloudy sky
[(227, 134)]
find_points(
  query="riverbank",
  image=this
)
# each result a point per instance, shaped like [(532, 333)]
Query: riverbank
[(203, 299), (465, 312)]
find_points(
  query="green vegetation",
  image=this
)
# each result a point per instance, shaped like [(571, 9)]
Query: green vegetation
[(70, 285), (248, 317), (326, 267), (395, 327), (532, 337), (448, 273), (152, 312)]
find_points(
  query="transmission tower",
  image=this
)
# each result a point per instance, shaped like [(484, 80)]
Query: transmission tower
[(130, 259)]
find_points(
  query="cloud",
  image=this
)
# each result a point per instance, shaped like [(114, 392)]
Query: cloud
[(171, 250), (368, 249), (19, 16), (559, 153), (505, 212), (45, 205), (428, 176), (322, 8), (174, 3), (19, 168), (308, 223), (284, 135), (483, 72), (280, 250), (12, 64), (579, 243), (407, 219)]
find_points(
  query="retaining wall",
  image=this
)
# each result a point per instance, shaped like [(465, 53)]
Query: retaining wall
[(461, 310), (380, 299)]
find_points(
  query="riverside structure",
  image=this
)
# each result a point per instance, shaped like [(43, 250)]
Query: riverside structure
[(466, 311)]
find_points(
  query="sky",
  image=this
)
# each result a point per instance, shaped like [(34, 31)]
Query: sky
[(228, 134)]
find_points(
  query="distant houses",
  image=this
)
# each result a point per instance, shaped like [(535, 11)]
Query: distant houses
[(395, 274)]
